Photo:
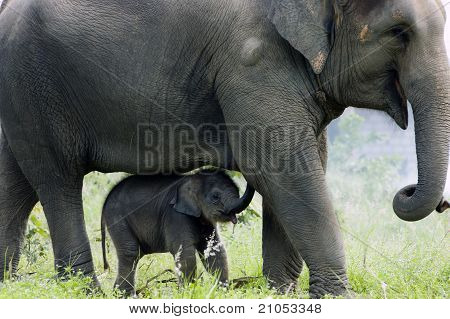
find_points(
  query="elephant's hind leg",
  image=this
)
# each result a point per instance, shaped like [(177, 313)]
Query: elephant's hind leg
[(128, 255), (17, 199), (63, 208), (282, 262)]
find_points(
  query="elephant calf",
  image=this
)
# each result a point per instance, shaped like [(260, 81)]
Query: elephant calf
[(176, 214)]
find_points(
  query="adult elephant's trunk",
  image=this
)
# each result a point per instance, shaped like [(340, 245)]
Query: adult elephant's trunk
[(428, 92)]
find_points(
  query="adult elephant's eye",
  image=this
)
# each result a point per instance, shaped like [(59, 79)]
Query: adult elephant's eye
[(401, 33)]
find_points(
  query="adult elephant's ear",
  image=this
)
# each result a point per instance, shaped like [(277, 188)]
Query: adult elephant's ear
[(304, 24), (185, 201)]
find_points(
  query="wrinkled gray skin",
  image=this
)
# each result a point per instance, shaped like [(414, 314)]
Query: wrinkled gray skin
[(78, 76), (169, 214)]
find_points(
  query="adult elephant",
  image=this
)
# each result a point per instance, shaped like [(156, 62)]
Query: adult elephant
[(78, 77)]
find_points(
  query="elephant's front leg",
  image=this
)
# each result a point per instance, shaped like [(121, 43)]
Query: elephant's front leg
[(303, 207), (292, 183), (214, 256), (300, 214), (185, 262), (276, 147), (282, 261)]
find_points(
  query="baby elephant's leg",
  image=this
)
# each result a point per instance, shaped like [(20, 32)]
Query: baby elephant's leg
[(214, 256), (185, 262), (127, 271), (128, 254)]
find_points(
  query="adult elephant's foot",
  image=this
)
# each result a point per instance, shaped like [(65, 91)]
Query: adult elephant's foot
[(75, 263), (328, 284), (78, 263), (93, 288), (67, 270)]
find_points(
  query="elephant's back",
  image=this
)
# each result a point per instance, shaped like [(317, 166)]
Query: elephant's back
[(137, 195)]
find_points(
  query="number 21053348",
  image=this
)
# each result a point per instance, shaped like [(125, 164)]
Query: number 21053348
[(289, 308)]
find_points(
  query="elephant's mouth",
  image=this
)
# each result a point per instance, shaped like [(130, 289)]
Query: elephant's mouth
[(228, 218), (398, 102)]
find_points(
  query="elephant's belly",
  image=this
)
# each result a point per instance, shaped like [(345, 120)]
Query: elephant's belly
[(149, 155), (149, 249)]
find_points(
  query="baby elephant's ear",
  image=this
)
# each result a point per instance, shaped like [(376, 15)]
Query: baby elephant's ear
[(185, 200)]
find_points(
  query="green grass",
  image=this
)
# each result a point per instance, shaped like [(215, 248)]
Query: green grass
[(387, 258)]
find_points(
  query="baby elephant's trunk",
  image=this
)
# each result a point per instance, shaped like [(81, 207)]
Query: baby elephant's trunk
[(242, 203)]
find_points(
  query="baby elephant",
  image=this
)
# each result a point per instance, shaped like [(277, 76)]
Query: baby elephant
[(176, 214)]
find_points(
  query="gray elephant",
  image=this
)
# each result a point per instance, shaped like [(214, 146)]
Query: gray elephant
[(80, 80), (176, 214)]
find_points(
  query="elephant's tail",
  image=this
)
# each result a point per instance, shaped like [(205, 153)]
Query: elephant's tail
[(103, 234)]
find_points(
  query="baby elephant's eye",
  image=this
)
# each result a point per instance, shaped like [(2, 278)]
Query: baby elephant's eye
[(215, 198)]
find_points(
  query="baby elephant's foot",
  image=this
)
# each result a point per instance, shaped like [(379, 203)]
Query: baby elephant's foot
[(125, 294), (94, 288), (124, 290)]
